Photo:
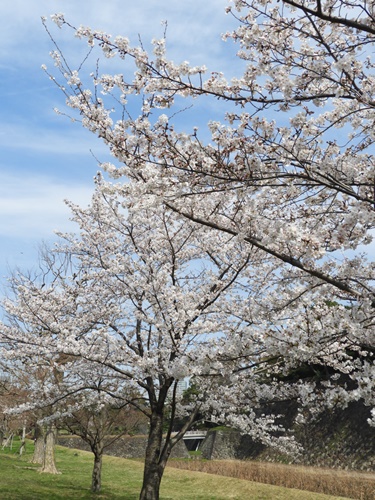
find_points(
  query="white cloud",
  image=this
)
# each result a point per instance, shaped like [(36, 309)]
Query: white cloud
[(33, 206), (71, 140)]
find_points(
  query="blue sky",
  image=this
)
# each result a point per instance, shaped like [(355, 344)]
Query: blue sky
[(44, 157)]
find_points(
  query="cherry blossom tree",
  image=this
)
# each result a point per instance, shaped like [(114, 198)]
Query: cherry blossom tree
[(149, 298), (288, 170), (58, 390), (233, 254), (146, 303)]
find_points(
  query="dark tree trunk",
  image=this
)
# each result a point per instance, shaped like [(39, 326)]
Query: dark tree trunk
[(96, 482), (154, 462), (151, 483)]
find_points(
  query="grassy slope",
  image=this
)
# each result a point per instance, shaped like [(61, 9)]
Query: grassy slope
[(19, 480)]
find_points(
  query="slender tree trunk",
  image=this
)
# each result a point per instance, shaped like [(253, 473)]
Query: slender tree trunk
[(3, 432), (96, 483), (8, 441), (23, 440), (49, 465), (39, 436), (154, 466)]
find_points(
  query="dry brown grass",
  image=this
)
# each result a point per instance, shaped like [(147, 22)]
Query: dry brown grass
[(349, 484)]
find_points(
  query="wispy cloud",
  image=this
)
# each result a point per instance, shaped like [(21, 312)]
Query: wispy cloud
[(194, 27), (58, 141), (34, 206)]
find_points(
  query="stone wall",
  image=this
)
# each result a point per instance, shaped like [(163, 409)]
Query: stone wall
[(337, 438), (125, 447), (221, 445)]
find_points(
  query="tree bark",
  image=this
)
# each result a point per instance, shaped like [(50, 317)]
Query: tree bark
[(96, 483), (49, 465), (38, 456), (154, 466)]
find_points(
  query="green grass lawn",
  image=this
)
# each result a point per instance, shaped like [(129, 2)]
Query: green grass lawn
[(19, 480)]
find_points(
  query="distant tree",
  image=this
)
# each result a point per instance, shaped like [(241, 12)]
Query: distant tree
[(26, 408), (13, 392), (100, 424)]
